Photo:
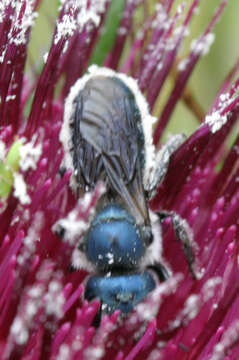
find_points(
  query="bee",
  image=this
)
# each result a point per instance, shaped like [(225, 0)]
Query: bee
[(107, 135)]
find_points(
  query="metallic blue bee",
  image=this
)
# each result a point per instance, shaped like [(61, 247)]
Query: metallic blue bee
[(107, 135)]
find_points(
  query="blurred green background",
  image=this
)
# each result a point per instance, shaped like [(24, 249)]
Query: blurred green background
[(207, 76)]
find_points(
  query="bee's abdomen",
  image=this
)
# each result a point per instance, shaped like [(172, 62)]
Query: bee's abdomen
[(114, 240)]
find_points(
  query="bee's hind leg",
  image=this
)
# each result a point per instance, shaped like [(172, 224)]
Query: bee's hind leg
[(185, 234), (160, 270), (162, 162)]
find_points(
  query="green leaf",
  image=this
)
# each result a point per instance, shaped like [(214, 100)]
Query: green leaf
[(8, 166), (13, 156), (6, 180)]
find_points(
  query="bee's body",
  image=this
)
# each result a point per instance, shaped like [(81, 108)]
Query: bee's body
[(107, 135)]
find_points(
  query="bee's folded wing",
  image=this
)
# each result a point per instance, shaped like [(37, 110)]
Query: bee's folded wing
[(108, 142)]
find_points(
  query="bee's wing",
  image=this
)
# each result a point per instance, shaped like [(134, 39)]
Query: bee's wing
[(108, 142)]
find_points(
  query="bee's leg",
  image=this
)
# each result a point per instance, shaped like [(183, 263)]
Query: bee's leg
[(67, 229), (162, 162), (97, 318), (62, 171), (160, 270), (78, 260), (70, 268), (184, 233), (59, 230)]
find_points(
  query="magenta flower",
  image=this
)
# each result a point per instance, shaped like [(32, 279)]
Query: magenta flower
[(42, 312)]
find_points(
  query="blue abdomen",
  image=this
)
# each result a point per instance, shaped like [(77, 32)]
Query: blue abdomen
[(121, 292), (114, 239)]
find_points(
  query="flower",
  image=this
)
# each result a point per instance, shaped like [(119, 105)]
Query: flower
[(42, 312)]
